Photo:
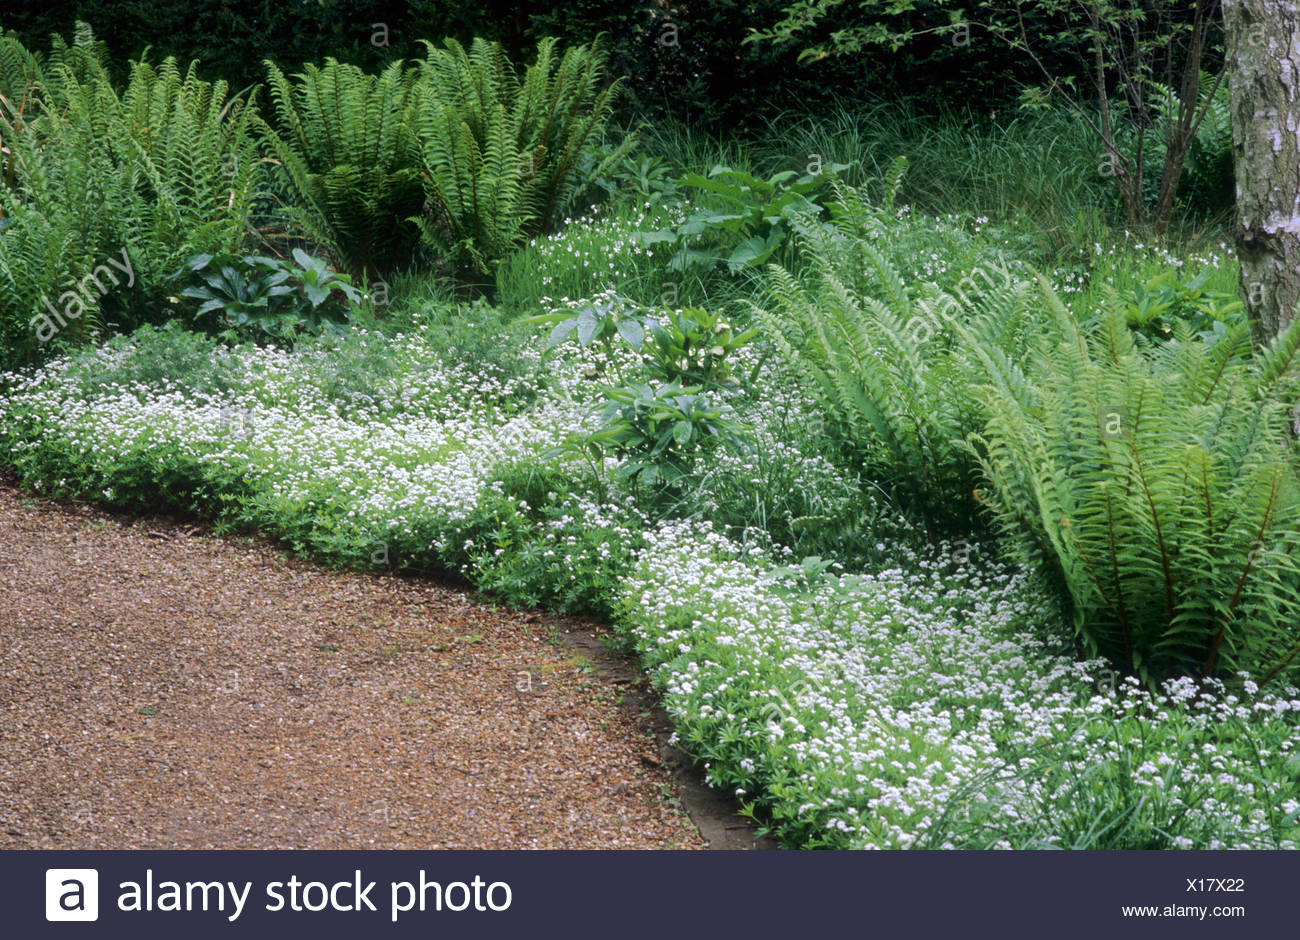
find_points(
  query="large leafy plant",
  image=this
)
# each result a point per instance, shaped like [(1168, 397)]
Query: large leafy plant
[(164, 169), (269, 296), (344, 142), (743, 219), (694, 346), (602, 319), (1156, 306), (1159, 486), (885, 360), (503, 156), (657, 430), (637, 178)]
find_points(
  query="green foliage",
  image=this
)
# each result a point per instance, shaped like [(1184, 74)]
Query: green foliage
[(1207, 185), (658, 429), (233, 37), (1122, 45), (470, 332), (312, 279), (687, 61), (1156, 306), (1159, 487), (595, 254), (505, 156), (885, 359), (744, 220), (1037, 170), (602, 319), (693, 148), (694, 347), (1209, 180), (531, 546), (164, 170), (639, 179), (269, 295), (1110, 782), (158, 358), (345, 148), (23, 85)]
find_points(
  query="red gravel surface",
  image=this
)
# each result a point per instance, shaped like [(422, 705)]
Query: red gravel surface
[(165, 689)]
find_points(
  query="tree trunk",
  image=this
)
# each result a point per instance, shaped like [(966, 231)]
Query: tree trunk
[(1263, 61), (1180, 135)]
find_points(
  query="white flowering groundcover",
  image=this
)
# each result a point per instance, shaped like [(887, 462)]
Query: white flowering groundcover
[(927, 703)]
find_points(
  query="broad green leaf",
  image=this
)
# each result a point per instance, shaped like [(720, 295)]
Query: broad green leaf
[(631, 331), (561, 333), (588, 326)]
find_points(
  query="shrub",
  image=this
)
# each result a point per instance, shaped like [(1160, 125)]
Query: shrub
[(504, 156), (1159, 488), (346, 149)]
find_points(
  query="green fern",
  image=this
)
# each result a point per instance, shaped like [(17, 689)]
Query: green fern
[(160, 172), (887, 360), (504, 156), (344, 144), (1159, 487)]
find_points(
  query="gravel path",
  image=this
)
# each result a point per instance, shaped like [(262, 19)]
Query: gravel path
[(164, 689)]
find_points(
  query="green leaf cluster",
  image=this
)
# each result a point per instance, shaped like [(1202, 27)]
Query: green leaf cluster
[(163, 170), (272, 296), (694, 346), (886, 359), (1156, 306), (657, 430), (743, 220), (1159, 486), (603, 319)]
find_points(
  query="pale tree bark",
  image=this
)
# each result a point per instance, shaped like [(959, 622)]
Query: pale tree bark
[(1263, 63)]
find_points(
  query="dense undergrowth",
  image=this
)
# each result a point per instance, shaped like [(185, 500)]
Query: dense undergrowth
[(942, 512)]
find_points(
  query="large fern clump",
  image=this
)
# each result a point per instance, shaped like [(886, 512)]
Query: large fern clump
[(48, 221), (884, 357), (343, 140), (145, 178), (504, 156), (1160, 488)]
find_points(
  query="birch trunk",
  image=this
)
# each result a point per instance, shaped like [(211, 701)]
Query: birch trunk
[(1263, 62)]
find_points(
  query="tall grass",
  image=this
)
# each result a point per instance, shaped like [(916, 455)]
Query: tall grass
[(1038, 169), (691, 149)]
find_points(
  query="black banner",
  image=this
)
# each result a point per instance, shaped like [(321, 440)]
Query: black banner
[(627, 894)]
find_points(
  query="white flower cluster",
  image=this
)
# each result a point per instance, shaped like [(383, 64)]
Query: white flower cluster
[(898, 708), (413, 455)]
